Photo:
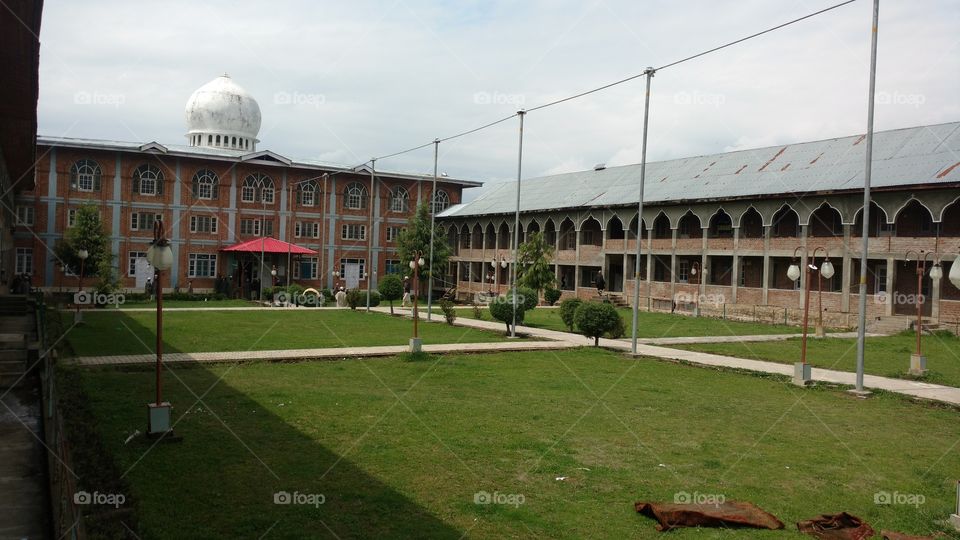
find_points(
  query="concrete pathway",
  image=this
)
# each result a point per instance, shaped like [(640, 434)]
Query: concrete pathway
[(23, 491), (936, 392), (738, 339)]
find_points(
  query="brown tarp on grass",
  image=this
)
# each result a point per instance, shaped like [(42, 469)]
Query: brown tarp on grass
[(842, 526), (726, 514)]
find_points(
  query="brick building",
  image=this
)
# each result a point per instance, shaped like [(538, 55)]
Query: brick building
[(218, 191), (721, 230)]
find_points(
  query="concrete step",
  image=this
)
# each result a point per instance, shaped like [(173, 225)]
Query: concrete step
[(13, 341), (13, 355)]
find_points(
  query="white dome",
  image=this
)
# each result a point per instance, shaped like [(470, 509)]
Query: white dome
[(222, 114)]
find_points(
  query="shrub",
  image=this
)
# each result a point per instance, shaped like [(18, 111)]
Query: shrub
[(391, 288), (618, 330), (501, 309), (374, 299), (551, 296), (567, 310), (594, 319), (355, 298), (294, 289), (327, 296), (477, 312), (449, 313)]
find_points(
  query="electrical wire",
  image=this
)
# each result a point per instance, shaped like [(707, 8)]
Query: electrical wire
[(621, 81)]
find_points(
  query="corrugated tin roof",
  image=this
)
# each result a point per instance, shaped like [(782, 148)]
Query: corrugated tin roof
[(232, 155), (907, 156)]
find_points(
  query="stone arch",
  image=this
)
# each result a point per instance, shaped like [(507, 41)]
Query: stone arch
[(914, 219), (950, 219), (632, 228), (614, 229), (661, 226), (591, 232), (751, 223), (489, 237), (550, 232), (568, 234), (720, 224), (785, 223), (825, 221), (689, 226), (879, 225), (503, 236)]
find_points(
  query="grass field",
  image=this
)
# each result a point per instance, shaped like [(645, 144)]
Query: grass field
[(652, 324), (119, 332), (888, 356), (400, 449), (186, 304)]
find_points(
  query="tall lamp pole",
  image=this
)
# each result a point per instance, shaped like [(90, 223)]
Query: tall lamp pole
[(433, 216), (801, 370), (643, 171), (918, 362), (693, 272), (160, 256), (415, 264)]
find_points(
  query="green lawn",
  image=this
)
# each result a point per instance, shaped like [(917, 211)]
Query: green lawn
[(888, 356), (652, 324), (400, 448), (119, 332)]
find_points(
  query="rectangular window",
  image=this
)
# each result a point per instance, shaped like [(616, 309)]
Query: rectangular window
[(71, 217), (25, 215), (306, 228), (393, 266), (250, 227), (881, 285), (132, 261), (267, 195), (203, 224), (393, 233), (24, 264), (307, 197), (248, 194), (683, 271), (306, 268), (353, 232), (202, 265), (268, 227), (85, 182), (143, 221)]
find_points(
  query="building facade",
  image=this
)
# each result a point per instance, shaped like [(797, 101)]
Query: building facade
[(215, 192), (720, 231)]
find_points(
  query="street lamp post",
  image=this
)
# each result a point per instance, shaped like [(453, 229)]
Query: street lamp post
[(496, 271), (160, 256), (694, 268), (826, 271), (415, 265), (918, 362), (273, 276), (83, 254), (801, 370)]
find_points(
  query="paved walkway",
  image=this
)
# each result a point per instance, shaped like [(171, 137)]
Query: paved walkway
[(553, 340), (23, 479), (936, 392)]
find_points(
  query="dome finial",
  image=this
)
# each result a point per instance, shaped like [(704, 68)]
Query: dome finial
[(221, 114)]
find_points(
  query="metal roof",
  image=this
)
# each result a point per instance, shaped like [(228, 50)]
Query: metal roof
[(901, 157), (225, 154)]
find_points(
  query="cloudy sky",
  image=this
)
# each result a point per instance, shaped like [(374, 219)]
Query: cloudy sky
[(345, 81)]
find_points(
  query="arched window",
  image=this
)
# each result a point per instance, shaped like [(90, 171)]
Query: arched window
[(355, 196), (206, 185), (85, 175), (148, 180), (440, 202), (307, 193), (257, 187), (399, 200)]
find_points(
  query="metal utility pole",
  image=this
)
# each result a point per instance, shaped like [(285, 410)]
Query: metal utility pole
[(516, 225), (865, 246), (643, 171), (433, 215)]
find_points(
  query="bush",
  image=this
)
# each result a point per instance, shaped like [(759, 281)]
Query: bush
[(449, 313), (529, 298), (391, 288), (293, 289), (594, 319), (374, 299), (567, 310), (477, 312), (619, 330), (355, 298), (551, 296), (502, 310), (327, 296)]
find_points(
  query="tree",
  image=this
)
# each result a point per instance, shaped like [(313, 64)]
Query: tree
[(594, 319), (501, 308), (88, 233), (534, 257), (391, 288), (416, 237), (551, 295), (568, 309)]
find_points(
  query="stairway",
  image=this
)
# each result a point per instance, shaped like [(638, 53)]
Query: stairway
[(18, 334), (890, 325), (614, 298)]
